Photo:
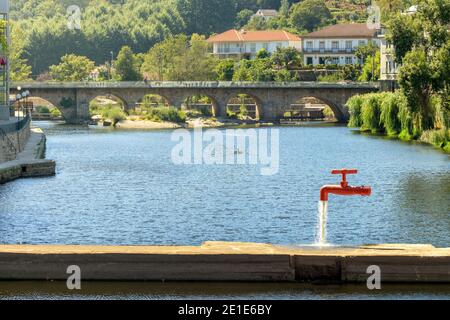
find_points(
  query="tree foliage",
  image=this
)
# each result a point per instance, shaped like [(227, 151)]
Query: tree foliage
[(180, 58), (309, 15), (72, 68), (126, 66)]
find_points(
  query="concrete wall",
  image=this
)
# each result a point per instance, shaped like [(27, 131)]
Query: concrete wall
[(13, 141)]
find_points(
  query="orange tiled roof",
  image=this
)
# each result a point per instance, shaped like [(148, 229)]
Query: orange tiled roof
[(349, 30), (256, 36)]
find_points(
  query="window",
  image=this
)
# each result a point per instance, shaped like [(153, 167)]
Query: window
[(253, 47), (309, 60), (227, 47), (348, 45), (279, 45), (348, 60), (361, 42), (335, 45), (309, 45), (266, 46), (322, 45), (335, 60)]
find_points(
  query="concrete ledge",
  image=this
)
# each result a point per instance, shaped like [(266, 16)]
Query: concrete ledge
[(221, 261), (30, 162)]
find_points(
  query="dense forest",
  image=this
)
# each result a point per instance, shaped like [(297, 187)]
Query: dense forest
[(42, 36)]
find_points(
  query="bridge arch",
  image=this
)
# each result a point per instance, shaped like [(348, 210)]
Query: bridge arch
[(207, 104), (339, 110), (153, 99), (118, 99), (247, 102), (51, 101)]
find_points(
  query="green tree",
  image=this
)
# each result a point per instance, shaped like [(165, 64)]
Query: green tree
[(309, 15), (366, 50), (421, 41), (225, 70), (415, 78), (126, 66), (180, 58), (72, 68), (286, 58), (206, 16), (405, 32), (242, 18), (371, 68), (19, 69)]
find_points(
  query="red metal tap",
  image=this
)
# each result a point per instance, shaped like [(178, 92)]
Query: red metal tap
[(344, 189)]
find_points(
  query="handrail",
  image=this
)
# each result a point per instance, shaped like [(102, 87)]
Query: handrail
[(13, 128), (9, 143)]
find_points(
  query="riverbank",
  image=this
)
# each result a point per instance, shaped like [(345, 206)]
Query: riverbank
[(30, 162), (135, 124), (426, 139), (227, 261)]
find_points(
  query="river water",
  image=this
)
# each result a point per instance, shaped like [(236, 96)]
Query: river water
[(121, 187)]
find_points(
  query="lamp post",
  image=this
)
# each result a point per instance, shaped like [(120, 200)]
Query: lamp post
[(111, 66)]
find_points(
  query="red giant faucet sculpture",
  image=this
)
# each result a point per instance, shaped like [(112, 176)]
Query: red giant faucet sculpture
[(344, 189)]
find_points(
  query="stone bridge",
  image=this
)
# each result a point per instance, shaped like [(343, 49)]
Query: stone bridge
[(272, 99)]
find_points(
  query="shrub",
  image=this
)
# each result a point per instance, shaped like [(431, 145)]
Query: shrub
[(55, 113), (170, 114), (439, 138), (446, 148), (115, 114), (334, 77), (42, 109)]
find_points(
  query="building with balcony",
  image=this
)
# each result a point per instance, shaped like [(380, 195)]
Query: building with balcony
[(337, 44), (246, 44)]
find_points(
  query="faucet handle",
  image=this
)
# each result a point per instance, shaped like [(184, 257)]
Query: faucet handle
[(344, 173)]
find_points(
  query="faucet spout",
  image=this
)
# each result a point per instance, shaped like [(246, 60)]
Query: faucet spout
[(344, 189)]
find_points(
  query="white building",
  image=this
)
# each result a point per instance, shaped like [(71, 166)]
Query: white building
[(240, 44), (337, 44), (266, 14), (389, 67)]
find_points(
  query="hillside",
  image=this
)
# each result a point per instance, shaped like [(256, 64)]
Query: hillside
[(107, 25)]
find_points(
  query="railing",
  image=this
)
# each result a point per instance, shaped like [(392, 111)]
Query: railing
[(230, 51), (17, 126), (188, 84), (329, 50), (13, 128)]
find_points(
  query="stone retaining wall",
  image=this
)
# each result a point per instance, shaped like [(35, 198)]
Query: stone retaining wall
[(13, 141)]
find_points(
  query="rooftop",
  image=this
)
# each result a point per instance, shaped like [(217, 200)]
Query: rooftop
[(256, 36), (349, 30)]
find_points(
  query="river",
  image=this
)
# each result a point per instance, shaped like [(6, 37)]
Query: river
[(121, 187)]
